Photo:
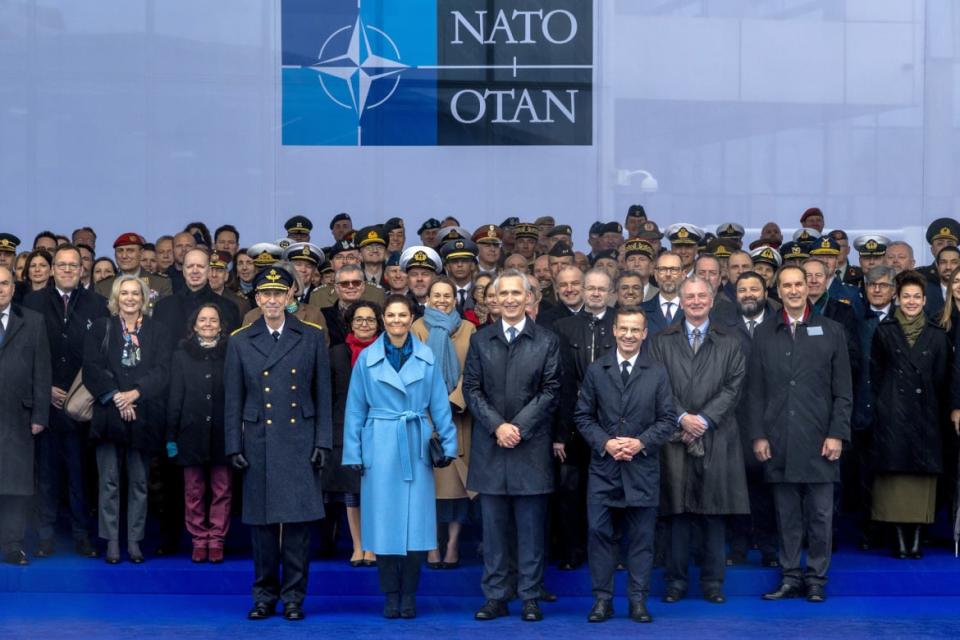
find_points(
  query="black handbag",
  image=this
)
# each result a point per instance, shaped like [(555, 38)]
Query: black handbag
[(437, 457)]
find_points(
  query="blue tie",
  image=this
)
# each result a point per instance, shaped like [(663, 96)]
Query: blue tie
[(512, 332)]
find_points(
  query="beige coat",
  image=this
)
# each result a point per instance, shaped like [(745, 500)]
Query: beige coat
[(451, 481)]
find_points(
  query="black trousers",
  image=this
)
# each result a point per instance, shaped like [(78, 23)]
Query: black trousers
[(13, 522), (603, 545), (276, 546), (60, 452), (804, 508), (499, 513), (166, 489), (567, 511), (714, 561), (760, 527), (400, 574)]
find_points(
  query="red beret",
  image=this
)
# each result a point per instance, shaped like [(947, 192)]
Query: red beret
[(812, 211), (126, 239)]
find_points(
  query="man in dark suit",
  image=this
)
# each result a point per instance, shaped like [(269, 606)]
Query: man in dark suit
[(760, 527), (278, 425), (664, 309), (25, 382), (511, 381), (584, 338), (799, 392), (568, 284), (948, 260), (68, 310), (625, 413)]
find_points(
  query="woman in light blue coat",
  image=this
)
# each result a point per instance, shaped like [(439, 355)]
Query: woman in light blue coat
[(397, 399)]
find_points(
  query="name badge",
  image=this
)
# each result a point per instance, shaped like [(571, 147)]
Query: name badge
[(814, 331)]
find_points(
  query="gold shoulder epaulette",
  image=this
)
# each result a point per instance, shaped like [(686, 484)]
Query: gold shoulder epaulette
[(314, 325), (236, 331)]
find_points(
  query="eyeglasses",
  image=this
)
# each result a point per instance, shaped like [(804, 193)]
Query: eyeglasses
[(366, 321), (350, 284), (673, 270), (596, 289), (67, 266), (880, 285)]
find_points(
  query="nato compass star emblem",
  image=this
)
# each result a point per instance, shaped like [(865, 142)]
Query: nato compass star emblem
[(358, 68)]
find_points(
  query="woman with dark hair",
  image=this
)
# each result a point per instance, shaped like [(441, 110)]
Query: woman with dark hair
[(949, 318), (126, 366), (37, 270), (909, 369), (340, 483), (446, 334), (242, 273), (397, 399), (195, 437), (102, 269)]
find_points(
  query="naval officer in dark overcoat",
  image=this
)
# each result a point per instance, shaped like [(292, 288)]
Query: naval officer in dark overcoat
[(278, 432)]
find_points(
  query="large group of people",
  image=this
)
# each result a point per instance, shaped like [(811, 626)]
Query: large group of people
[(662, 397)]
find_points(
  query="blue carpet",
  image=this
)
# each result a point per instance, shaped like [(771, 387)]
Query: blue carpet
[(121, 616)]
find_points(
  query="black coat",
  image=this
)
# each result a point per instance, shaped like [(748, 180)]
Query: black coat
[(277, 412), (799, 393), (514, 383), (910, 385), (583, 341), (103, 374), (174, 312), (195, 406), (24, 397), (707, 383), (336, 324), (336, 477), (65, 335), (549, 316), (643, 409)]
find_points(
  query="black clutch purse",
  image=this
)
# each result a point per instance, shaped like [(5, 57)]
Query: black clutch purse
[(437, 458)]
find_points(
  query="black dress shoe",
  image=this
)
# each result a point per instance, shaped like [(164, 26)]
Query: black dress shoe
[(292, 611), (260, 611), (783, 592), (816, 593), (714, 596), (408, 606), (547, 596), (17, 557), (673, 594), (85, 549), (45, 549), (531, 611), (639, 613), (491, 610), (602, 610), (450, 565)]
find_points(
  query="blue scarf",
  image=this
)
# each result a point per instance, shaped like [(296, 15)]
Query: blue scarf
[(442, 326), (397, 356)]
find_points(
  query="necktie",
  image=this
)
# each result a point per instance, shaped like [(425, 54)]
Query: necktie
[(751, 325), (512, 332), (2, 328), (697, 340), (276, 336), (793, 329), (625, 372), (669, 314), (462, 297), (66, 305)]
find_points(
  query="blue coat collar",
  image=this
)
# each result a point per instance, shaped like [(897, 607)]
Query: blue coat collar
[(415, 368)]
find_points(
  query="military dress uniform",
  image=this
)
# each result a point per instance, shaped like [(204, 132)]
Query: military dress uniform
[(278, 426)]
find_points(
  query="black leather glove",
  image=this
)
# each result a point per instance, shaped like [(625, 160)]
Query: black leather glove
[(238, 462), (319, 458), (447, 461), (355, 467)]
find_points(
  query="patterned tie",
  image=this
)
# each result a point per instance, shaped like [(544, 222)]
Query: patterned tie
[(66, 305), (669, 314), (751, 325), (276, 336), (512, 332), (697, 340), (625, 371)]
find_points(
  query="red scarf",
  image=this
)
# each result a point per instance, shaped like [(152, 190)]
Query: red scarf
[(356, 346)]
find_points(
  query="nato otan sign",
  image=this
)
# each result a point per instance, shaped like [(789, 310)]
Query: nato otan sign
[(437, 72)]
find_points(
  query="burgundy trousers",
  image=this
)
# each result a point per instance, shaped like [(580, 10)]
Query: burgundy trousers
[(208, 527)]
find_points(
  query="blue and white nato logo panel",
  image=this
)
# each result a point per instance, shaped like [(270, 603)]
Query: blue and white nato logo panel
[(437, 72)]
